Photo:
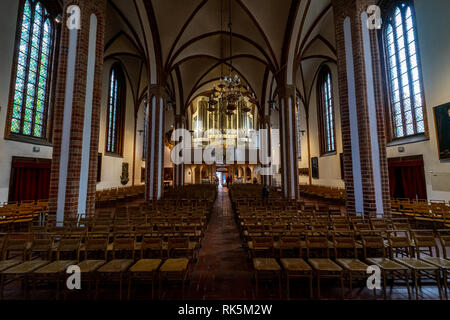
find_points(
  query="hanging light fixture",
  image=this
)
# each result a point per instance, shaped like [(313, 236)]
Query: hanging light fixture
[(231, 91)]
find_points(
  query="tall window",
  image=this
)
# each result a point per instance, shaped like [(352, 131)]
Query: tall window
[(116, 111), (326, 111), (32, 70), (403, 68), (299, 132)]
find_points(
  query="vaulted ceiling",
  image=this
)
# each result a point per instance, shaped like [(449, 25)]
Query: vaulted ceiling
[(187, 41)]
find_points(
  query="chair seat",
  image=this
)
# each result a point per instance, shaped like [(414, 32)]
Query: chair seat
[(88, 266), (146, 265), (26, 267), (56, 267), (266, 264), (175, 265), (354, 265), (439, 262), (324, 265), (386, 264), (116, 266), (295, 265), (416, 264), (4, 265)]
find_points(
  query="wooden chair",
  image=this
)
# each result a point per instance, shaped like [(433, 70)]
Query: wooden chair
[(354, 268), (418, 267), (264, 266), (144, 270), (426, 240), (261, 245), (113, 270), (374, 242), (323, 267), (68, 246), (152, 245), (15, 243), (297, 268), (123, 243), (289, 243), (41, 246), (21, 272), (97, 243), (53, 272), (183, 245), (174, 270)]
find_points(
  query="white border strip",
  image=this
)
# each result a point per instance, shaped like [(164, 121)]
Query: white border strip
[(291, 148), (152, 150), (373, 123), (87, 128), (66, 125), (356, 159), (283, 148), (160, 147)]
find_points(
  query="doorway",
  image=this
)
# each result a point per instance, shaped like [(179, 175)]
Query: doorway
[(407, 178), (30, 179)]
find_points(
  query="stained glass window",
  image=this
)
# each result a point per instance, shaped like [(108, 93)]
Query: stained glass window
[(299, 132), (406, 92), (115, 116), (326, 111), (31, 83)]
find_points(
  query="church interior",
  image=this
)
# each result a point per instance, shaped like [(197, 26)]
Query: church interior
[(224, 150)]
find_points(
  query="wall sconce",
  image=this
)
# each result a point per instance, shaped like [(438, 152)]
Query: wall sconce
[(141, 132), (303, 132)]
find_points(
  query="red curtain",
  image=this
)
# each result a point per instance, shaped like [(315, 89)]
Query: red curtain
[(412, 178), (31, 181)]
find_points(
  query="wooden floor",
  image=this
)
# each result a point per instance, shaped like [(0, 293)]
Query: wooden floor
[(224, 272)]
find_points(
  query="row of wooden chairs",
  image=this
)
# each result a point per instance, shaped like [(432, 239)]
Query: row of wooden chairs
[(324, 192), (398, 263), (99, 268)]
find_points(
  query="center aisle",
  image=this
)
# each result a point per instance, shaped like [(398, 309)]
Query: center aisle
[(222, 271)]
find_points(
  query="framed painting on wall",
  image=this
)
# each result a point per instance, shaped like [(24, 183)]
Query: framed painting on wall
[(442, 121)]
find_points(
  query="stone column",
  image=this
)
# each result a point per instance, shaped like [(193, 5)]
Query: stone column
[(154, 162), (288, 128), (363, 132), (77, 110), (179, 170)]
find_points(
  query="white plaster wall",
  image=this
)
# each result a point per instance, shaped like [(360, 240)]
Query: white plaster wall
[(112, 165), (433, 26), (329, 165)]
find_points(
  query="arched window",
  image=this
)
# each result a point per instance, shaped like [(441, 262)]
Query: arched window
[(403, 72), (299, 131), (326, 112), (115, 119), (28, 116)]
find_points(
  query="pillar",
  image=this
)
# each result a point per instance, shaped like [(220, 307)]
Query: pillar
[(288, 128), (154, 162), (77, 111), (179, 170), (363, 132)]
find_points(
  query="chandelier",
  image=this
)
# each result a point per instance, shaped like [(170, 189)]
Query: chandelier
[(231, 93)]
